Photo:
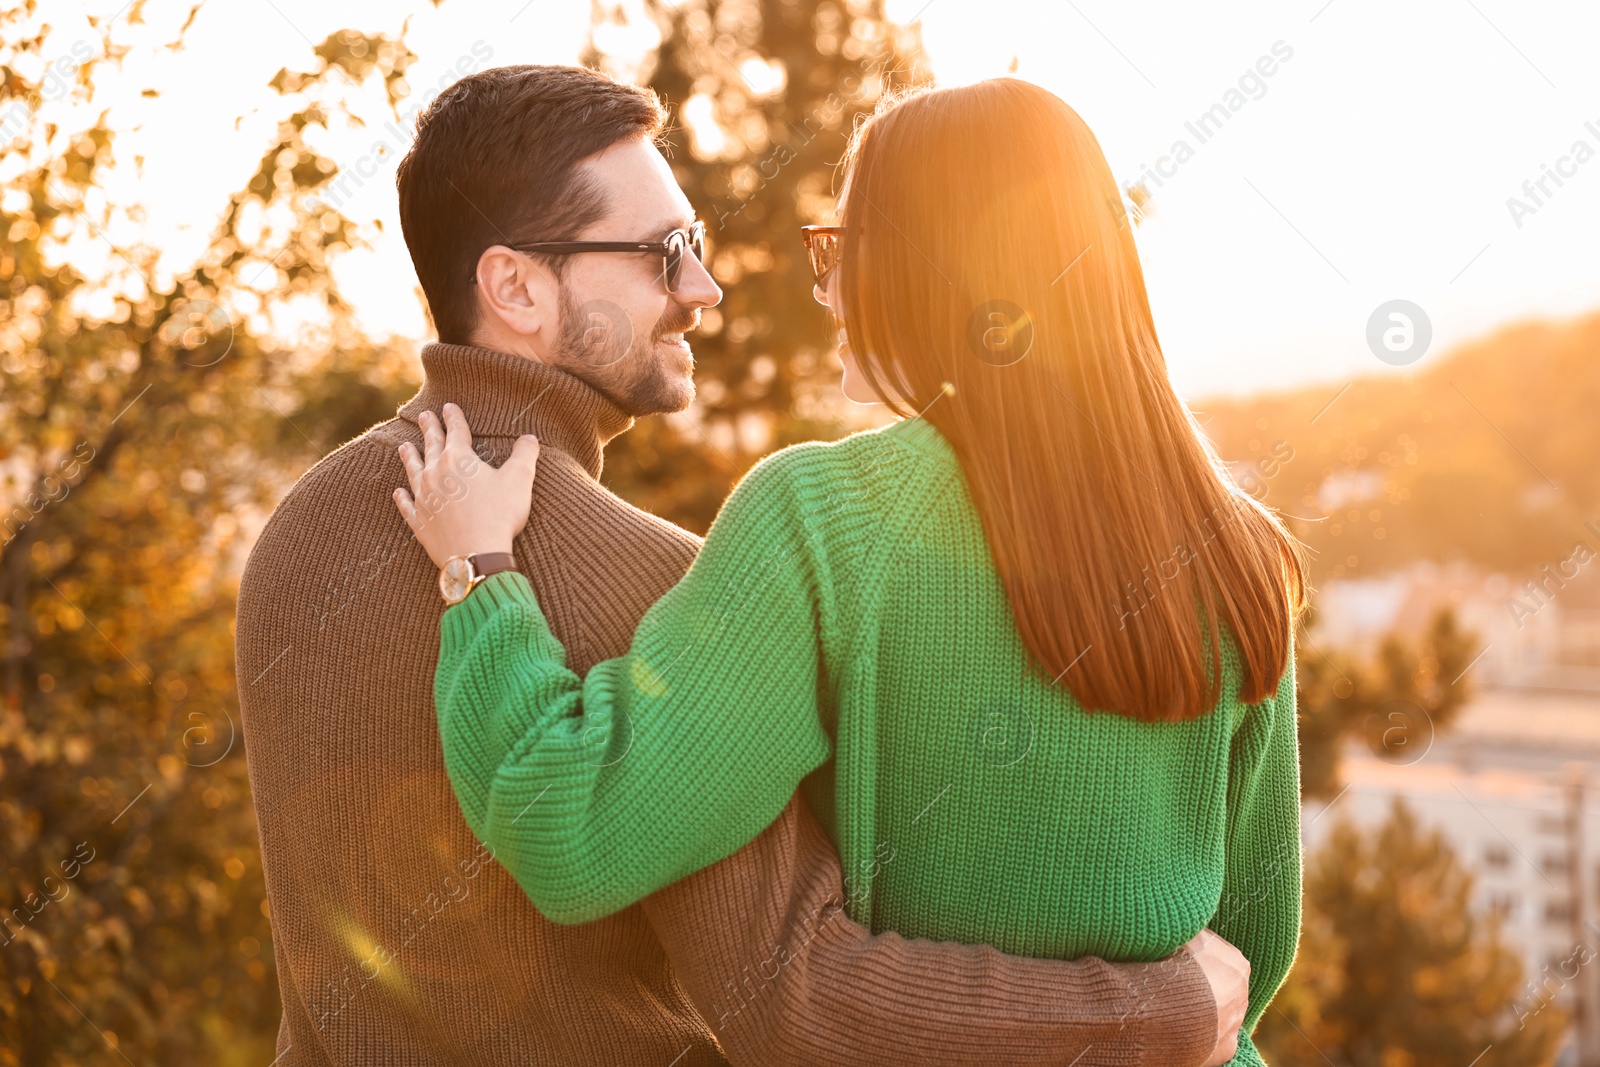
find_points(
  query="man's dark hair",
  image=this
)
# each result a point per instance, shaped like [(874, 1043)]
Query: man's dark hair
[(495, 161)]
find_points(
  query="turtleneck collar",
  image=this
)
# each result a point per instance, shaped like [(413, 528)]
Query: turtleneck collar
[(506, 396)]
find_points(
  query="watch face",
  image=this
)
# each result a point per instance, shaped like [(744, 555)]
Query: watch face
[(455, 579)]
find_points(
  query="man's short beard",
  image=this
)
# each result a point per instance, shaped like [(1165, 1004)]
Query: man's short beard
[(597, 345)]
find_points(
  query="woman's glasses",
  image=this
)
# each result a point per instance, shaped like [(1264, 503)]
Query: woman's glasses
[(822, 245), (671, 249)]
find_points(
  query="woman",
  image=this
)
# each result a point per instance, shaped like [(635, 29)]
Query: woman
[(1027, 651)]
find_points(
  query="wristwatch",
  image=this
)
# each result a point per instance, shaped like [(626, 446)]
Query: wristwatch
[(460, 575)]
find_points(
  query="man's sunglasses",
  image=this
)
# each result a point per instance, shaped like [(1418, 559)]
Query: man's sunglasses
[(822, 245), (671, 249)]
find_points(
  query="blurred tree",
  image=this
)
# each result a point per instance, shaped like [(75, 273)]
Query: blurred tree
[(764, 94), (1396, 968), (1396, 702), (147, 421)]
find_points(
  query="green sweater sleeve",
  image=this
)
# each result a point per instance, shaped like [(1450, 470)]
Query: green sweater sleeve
[(596, 791), (1259, 911)]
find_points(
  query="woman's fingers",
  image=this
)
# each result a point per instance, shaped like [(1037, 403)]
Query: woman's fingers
[(433, 439), (408, 509), (457, 433), (413, 465), (458, 504), (524, 457)]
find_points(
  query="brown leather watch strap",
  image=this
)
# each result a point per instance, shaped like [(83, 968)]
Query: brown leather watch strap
[(487, 563)]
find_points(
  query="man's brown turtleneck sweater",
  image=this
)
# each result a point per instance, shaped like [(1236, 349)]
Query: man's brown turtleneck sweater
[(398, 939)]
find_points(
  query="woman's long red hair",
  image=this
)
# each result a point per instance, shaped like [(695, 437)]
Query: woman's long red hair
[(986, 246)]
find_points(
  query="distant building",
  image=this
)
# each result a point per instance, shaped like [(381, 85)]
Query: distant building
[(1515, 789), (1538, 630)]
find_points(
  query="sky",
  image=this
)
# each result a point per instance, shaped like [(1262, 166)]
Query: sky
[(1373, 164), (1358, 152)]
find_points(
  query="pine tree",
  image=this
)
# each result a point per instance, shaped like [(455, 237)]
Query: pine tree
[(1396, 968), (1397, 701)]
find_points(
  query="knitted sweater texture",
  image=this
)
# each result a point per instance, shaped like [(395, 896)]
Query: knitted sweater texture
[(399, 939), (844, 629)]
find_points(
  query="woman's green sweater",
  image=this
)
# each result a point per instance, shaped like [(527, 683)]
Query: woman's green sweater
[(844, 629)]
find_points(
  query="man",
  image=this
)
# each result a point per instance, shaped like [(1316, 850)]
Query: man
[(398, 939)]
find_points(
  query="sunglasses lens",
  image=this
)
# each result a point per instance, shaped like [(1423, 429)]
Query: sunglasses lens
[(824, 251), (677, 244), (672, 265)]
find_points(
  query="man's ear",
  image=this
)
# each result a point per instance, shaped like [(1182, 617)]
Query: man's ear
[(517, 295)]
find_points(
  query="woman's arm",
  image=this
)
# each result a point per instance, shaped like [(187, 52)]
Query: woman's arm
[(1260, 907), (596, 791)]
